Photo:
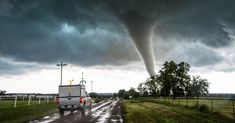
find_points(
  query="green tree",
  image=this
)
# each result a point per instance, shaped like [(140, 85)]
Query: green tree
[(199, 86), (174, 78), (183, 79), (152, 84), (121, 93), (141, 89), (93, 95), (132, 92), (3, 92)]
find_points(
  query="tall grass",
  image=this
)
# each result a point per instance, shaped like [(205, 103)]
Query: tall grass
[(147, 111)]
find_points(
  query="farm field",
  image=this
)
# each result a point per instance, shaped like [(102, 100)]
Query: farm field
[(141, 111), (223, 106), (22, 112)]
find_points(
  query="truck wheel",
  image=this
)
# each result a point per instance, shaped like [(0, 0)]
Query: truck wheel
[(61, 111)]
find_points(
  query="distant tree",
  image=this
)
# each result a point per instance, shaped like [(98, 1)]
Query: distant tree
[(121, 93), (141, 89), (115, 95), (93, 95), (152, 84), (199, 86), (3, 92), (132, 92)]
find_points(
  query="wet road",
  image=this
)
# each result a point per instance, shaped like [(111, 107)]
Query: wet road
[(107, 111)]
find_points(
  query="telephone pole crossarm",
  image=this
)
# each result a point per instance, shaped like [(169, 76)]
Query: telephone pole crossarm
[(61, 70)]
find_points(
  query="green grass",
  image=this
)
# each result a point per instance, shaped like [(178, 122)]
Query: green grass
[(225, 107), (23, 112), (142, 111)]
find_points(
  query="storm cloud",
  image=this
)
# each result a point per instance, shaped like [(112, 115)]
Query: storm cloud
[(95, 32)]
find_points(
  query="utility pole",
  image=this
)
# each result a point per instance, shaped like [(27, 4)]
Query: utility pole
[(82, 81), (61, 70), (91, 85)]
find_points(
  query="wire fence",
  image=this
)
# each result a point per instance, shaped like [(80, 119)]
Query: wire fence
[(15, 101), (224, 106)]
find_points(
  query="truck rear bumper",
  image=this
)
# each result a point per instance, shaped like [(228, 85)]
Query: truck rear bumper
[(68, 107)]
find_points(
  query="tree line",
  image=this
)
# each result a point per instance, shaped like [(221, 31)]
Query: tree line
[(172, 80), (3, 92)]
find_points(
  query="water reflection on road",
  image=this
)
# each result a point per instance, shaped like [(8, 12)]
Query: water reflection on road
[(107, 111)]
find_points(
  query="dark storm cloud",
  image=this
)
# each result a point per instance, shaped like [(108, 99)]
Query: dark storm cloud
[(35, 33), (34, 30), (8, 66), (200, 20), (197, 56)]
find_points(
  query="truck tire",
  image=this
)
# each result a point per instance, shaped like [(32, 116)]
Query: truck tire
[(61, 111)]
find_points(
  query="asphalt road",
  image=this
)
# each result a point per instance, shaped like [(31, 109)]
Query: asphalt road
[(107, 111)]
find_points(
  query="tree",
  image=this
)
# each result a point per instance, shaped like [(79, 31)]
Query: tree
[(121, 93), (141, 89), (115, 95), (183, 79), (93, 95), (3, 92), (152, 84), (174, 78), (132, 92), (199, 86)]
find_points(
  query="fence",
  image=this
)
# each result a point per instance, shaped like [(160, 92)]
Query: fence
[(14, 101), (222, 105)]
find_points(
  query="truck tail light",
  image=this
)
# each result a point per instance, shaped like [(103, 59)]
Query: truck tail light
[(81, 99)]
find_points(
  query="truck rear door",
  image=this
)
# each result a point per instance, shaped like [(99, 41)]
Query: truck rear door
[(69, 95)]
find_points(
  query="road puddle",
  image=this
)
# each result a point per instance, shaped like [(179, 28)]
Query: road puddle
[(107, 111)]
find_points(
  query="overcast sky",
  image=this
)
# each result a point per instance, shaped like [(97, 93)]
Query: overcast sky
[(94, 37)]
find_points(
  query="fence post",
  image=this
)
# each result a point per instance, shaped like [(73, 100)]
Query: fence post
[(212, 104), (233, 109), (197, 103), (15, 102), (187, 101), (29, 100), (23, 97), (47, 99), (39, 100), (54, 98)]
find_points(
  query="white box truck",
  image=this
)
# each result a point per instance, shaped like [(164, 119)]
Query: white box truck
[(73, 97)]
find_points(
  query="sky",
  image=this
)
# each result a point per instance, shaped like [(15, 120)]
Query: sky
[(115, 43)]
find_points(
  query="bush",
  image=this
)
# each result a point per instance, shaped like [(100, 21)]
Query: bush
[(203, 108), (97, 100)]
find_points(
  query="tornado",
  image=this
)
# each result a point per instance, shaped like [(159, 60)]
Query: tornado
[(140, 29), (139, 18), (141, 35)]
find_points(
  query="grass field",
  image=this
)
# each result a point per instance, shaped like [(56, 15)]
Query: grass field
[(23, 112), (142, 111), (222, 106)]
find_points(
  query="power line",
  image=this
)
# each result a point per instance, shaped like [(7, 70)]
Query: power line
[(61, 70)]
